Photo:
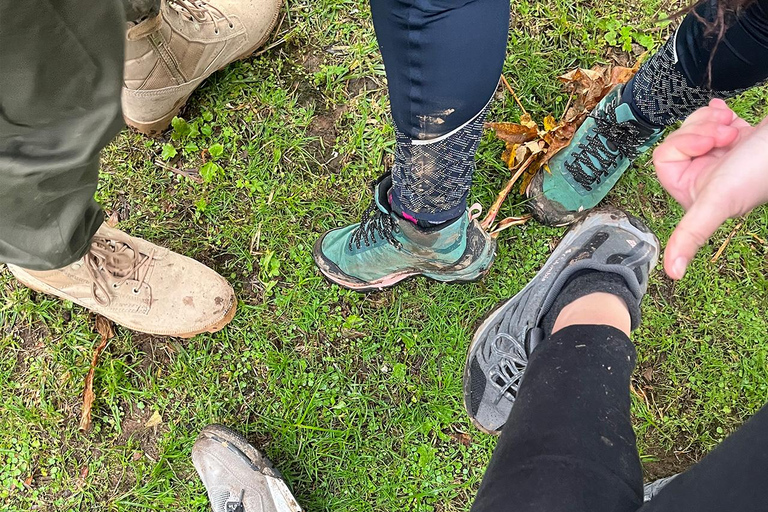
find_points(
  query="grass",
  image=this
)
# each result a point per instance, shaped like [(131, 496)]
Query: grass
[(356, 398)]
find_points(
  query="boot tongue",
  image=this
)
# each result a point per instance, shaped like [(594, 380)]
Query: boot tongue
[(624, 114), (381, 192), (144, 28)]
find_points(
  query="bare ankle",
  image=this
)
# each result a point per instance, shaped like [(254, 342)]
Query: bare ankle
[(595, 309)]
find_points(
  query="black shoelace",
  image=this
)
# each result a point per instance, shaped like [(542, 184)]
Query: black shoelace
[(374, 221), (621, 140), (236, 506)]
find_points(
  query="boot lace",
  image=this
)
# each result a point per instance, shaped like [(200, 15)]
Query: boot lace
[(621, 140), (507, 374), (201, 11), (119, 259), (374, 221), (236, 506)]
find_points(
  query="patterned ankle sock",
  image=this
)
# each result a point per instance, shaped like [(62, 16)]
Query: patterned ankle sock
[(661, 94), (431, 178)]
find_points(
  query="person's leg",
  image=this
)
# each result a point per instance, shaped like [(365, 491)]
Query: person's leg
[(684, 75), (732, 477), (443, 60), (550, 370), (568, 445), (60, 76), (692, 68)]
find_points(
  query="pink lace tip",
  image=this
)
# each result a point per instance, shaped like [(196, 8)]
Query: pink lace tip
[(409, 218)]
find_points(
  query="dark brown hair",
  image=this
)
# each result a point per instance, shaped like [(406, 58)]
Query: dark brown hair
[(726, 12)]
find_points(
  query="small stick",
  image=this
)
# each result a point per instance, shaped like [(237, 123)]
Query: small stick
[(726, 242), (189, 174), (511, 90)]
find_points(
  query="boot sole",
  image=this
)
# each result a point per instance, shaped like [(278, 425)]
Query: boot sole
[(40, 286), (335, 275), (225, 435), (158, 126)]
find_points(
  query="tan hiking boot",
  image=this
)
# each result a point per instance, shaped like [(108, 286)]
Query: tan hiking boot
[(140, 286), (169, 55)]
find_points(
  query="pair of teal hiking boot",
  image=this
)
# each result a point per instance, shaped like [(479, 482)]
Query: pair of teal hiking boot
[(384, 248)]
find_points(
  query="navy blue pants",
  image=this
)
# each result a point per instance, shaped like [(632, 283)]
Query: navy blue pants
[(568, 445), (443, 60)]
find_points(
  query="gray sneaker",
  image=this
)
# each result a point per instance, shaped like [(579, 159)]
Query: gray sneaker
[(651, 489), (605, 240), (237, 476)]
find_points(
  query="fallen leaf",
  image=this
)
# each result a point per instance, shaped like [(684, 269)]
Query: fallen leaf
[(104, 328), (622, 75), (513, 133), (154, 420), (113, 219), (461, 438), (549, 123), (526, 153)]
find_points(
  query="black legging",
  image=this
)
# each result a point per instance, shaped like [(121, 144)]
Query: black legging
[(568, 445)]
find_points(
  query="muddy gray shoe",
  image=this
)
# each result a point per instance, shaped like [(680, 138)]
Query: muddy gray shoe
[(141, 286), (651, 489), (607, 240), (383, 249), (169, 55), (237, 476)]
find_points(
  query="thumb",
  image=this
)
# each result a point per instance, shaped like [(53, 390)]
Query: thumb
[(693, 231)]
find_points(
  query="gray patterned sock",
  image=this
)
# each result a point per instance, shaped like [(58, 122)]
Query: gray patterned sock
[(431, 178), (660, 92)]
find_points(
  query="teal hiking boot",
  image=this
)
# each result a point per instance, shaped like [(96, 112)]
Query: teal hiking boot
[(383, 249), (583, 173)]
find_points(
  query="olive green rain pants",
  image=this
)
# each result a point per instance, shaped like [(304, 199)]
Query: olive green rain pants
[(61, 71)]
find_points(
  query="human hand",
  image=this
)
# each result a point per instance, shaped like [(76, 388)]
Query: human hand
[(716, 167)]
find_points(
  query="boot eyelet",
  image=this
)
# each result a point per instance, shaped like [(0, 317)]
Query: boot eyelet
[(135, 291), (216, 31), (115, 286), (231, 25)]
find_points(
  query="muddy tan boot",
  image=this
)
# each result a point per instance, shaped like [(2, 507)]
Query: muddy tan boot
[(169, 55), (140, 286)]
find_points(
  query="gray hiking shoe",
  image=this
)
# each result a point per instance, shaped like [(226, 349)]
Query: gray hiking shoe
[(239, 478), (651, 489), (605, 240)]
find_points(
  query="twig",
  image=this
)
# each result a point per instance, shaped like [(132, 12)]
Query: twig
[(726, 242), (508, 223), (104, 328), (183, 172), (267, 48), (565, 110), (511, 90), (488, 220)]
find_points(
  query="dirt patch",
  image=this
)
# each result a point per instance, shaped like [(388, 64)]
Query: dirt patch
[(154, 352), (134, 429), (666, 464)]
